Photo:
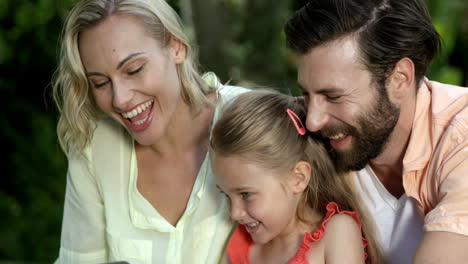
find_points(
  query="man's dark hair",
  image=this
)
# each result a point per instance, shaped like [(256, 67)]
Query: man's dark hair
[(385, 30)]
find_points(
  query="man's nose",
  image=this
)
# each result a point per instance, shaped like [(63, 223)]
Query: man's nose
[(317, 116)]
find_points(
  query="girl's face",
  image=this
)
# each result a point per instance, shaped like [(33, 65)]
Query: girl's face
[(262, 200), (132, 78)]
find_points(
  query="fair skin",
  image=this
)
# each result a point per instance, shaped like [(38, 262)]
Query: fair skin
[(134, 80), (270, 216), (325, 75)]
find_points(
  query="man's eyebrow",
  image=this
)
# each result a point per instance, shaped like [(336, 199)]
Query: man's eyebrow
[(122, 62), (329, 90)]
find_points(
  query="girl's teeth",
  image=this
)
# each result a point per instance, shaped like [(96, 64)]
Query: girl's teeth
[(252, 225)]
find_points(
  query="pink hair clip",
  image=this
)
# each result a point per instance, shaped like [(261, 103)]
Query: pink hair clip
[(297, 122)]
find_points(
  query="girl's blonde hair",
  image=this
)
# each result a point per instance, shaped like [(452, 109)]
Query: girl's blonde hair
[(71, 90), (257, 127)]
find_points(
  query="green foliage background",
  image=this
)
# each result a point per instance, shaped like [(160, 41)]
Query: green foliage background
[(241, 40)]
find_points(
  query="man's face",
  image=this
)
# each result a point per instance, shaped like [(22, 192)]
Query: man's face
[(344, 105)]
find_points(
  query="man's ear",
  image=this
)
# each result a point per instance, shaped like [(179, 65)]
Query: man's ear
[(178, 50), (401, 81), (300, 177)]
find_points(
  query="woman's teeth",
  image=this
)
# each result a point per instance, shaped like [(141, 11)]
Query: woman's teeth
[(137, 110)]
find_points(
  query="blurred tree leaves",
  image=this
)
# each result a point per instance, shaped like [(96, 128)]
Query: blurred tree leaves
[(451, 21), (241, 40), (32, 189)]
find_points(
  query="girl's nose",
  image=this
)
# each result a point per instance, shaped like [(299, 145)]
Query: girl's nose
[(237, 212)]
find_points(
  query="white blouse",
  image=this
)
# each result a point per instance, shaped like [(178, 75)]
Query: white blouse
[(107, 219)]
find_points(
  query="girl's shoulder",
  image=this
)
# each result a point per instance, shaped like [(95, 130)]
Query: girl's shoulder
[(342, 226), (341, 235), (336, 220)]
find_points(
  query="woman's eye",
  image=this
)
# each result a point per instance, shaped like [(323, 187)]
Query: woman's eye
[(100, 84), (135, 71)]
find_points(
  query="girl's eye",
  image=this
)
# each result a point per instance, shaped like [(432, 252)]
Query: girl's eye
[(136, 71), (246, 195)]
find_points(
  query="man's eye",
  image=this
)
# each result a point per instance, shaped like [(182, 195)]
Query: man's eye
[(332, 98)]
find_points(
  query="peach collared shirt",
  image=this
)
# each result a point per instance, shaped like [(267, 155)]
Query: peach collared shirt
[(435, 166)]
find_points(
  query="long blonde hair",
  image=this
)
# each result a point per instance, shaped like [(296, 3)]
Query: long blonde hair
[(256, 126), (71, 92)]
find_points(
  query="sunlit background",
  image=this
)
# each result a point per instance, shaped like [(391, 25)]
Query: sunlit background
[(241, 40)]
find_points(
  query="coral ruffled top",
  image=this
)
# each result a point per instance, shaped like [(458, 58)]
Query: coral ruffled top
[(240, 242)]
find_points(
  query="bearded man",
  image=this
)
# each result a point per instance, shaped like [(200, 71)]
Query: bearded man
[(362, 66)]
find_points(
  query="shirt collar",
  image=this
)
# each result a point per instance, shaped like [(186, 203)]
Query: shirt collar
[(420, 145)]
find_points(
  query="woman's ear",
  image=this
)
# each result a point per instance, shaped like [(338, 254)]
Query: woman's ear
[(178, 50), (300, 177)]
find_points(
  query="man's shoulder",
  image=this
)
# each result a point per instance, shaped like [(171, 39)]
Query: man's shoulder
[(447, 98), (449, 109)]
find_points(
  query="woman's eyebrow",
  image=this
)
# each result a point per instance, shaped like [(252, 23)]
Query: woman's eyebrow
[(122, 62)]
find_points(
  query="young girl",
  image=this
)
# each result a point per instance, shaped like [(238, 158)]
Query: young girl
[(291, 205)]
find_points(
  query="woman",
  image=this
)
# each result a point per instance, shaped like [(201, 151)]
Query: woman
[(135, 122)]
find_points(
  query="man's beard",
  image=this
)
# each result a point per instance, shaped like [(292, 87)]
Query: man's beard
[(375, 128)]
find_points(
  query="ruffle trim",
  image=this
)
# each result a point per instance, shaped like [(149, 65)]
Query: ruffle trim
[(332, 209)]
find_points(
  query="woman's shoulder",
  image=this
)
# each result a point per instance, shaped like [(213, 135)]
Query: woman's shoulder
[(108, 130), (109, 139), (230, 91), (226, 94)]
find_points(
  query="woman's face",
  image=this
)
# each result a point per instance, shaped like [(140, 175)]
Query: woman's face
[(133, 78)]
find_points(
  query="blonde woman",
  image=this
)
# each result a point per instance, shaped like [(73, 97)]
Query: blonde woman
[(135, 122)]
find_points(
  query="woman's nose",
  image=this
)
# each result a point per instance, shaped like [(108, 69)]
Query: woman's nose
[(121, 96)]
